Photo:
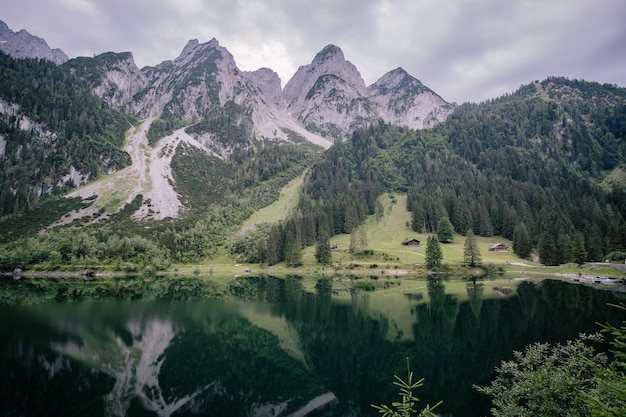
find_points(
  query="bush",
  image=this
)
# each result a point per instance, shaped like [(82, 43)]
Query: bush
[(616, 256)]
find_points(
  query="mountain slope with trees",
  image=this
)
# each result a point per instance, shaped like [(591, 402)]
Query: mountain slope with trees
[(532, 162), (54, 134)]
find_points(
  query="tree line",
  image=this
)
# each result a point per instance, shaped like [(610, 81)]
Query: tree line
[(528, 167), (83, 132)]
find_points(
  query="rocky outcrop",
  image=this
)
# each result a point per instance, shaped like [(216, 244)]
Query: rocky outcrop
[(403, 100), (322, 100), (329, 96), (24, 45)]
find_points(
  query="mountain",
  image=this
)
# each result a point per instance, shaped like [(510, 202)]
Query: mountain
[(24, 45), (322, 100), (216, 143), (329, 96), (533, 163)]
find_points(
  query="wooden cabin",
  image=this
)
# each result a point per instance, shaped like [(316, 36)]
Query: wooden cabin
[(498, 247)]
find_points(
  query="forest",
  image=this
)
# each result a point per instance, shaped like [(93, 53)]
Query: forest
[(543, 166), (526, 166), (80, 132)]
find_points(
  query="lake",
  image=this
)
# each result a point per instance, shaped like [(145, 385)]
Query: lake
[(275, 350)]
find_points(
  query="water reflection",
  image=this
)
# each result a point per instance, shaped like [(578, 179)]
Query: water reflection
[(135, 366), (281, 352)]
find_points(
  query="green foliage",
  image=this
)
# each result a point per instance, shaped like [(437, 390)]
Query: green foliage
[(609, 398), (28, 224), (78, 130), (434, 255), (579, 253), (471, 253), (445, 230), (160, 128), (406, 407), (522, 245), (546, 380), (81, 248), (570, 379), (323, 252), (229, 125)]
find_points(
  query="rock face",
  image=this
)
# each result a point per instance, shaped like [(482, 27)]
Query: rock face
[(403, 100), (24, 45), (321, 101)]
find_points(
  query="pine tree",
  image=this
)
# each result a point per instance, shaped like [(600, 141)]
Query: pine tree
[(358, 241), (445, 231), (323, 253), (433, 253), (293, 249), (521, 241), (579, 253), (471, 254), (547, 250)]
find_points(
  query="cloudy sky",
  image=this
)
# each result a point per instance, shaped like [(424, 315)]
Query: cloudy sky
[(465, 50)]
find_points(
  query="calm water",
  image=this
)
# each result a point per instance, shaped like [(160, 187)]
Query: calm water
[(281, 352)]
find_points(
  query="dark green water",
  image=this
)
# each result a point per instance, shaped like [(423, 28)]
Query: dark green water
[(282, 352)]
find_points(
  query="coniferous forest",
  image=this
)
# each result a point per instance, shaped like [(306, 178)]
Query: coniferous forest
[(543, 166), (539, 161)]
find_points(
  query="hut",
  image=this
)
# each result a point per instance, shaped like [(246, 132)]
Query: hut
[(498, 247)]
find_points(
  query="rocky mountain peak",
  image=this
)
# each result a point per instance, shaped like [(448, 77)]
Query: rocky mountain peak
[(24, 45), (403, 100), (328, 53), (327, 64), (397, 79)]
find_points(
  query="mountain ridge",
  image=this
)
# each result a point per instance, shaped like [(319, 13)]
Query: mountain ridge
[(217, 143)]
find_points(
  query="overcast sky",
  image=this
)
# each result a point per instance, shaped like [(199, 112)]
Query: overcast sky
[(465, 50)]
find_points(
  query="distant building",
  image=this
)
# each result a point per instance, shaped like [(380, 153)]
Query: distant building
[(498, 247), (412, 242)]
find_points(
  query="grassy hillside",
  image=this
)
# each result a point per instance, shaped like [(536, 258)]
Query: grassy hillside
[(385, 238)]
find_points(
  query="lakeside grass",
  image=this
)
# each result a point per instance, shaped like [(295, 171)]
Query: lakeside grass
[(390, 257)]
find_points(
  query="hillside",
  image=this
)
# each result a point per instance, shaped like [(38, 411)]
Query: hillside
[(531, 164), (542, 165), (54, 134)]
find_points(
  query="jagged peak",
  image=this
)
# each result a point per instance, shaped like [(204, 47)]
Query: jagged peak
[(194, 46), (329, 52), (188, 49), (399, 71), (397, 79)]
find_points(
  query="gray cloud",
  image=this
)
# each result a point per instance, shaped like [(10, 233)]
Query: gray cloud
[(465, 50)]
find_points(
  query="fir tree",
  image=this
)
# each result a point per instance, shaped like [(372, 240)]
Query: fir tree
[(445, 231), (433, 253), (322, 249), (547, 250), (521, 241), (471, 254), (579, 253)]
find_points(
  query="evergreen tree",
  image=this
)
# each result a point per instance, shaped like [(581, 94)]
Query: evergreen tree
[(358, 241), (521, 241), (275, 246), (322, 249), (445, 231), (471, 254), (293, 248), (547, 250), (579, 253), (433, 253)]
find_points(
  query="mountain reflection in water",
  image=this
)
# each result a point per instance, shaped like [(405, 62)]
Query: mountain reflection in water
[(282, 352)]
